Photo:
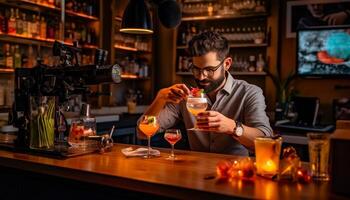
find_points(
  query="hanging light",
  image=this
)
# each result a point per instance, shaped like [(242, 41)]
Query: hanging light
[(136, 18)]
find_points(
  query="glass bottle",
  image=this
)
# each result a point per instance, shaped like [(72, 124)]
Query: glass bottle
[(2, 58), (25, 25), (252, 63), (260, 63), (17, 58), (34, 27), (2, 22), (19, 23), (43, 26), (12, 23), (8, 56)]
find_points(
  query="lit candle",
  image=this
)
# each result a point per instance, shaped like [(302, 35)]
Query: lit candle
[(269, 166), (267, 151)]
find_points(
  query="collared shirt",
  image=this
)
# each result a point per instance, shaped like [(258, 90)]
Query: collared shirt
[(237, 100)]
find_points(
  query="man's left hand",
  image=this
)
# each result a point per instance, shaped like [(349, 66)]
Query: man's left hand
[(215, 121)]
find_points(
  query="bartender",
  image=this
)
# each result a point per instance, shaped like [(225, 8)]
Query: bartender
[(236, 109)]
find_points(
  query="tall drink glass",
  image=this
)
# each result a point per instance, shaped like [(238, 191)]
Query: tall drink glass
[(318, 154), (196, 105)]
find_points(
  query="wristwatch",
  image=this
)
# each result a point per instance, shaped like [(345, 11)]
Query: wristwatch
[(238, 131)]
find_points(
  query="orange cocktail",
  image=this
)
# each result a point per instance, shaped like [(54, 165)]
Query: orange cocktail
[(149, 129), (149, 126)]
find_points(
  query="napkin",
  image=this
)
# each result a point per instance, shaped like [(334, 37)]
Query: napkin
[(130, 152)]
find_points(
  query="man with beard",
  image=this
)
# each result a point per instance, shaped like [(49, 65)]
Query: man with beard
[(236, 110)]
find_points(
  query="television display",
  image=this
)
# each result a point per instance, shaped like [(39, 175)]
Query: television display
[(323, 52)]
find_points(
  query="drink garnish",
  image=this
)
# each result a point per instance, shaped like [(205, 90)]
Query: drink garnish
[(152, 120), (197, 92)]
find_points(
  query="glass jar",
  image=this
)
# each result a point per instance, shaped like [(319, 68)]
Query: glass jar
[(42, 122), (82, 128)]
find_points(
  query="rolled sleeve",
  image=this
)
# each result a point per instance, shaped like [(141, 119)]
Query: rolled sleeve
[(255, 114)]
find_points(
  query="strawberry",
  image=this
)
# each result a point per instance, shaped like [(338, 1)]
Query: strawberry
[(196, 92)]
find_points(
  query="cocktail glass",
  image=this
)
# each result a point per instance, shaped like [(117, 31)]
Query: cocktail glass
[(149, 126), (172, 136), (196, 105)]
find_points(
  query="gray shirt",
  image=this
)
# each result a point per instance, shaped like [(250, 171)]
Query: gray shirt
[(237, 100)]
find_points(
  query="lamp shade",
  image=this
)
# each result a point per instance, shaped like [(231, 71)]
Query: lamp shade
[(136, 18)]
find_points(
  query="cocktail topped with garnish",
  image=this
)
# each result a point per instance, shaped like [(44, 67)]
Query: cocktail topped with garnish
[(196, 102), (149, 126)]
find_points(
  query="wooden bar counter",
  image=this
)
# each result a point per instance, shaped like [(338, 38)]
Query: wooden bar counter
[(154, 178)]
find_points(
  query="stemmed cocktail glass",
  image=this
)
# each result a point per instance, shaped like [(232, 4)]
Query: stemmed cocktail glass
[(149, 126), (172, 136)]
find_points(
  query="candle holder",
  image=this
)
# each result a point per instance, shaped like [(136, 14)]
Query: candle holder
[(267, 152)]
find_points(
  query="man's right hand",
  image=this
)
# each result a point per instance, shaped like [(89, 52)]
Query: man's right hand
[(174, 93)]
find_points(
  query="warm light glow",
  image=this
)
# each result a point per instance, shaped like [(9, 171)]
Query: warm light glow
[(267, 151), (269, 166), (136, 30), (125, 48), (130, 76)]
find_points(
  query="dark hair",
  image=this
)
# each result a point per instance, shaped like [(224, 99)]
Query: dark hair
[(206, 42)]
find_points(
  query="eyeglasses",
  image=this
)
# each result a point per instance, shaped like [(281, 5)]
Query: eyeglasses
[(207, 71)]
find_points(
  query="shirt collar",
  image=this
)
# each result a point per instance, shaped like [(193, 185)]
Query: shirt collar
[(229, 83)]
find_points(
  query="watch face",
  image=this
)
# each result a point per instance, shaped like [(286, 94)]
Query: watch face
[(239, 131)]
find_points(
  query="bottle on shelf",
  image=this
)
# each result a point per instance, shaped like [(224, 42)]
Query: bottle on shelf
[(38, 26), (43, 28), (31, 57), (2, 58), (17, 58), (260, 63), (8, 56), (2, 23), (252, 63), (2, 95), (25, 25), (19, 23), (33, 27), (12, 22)]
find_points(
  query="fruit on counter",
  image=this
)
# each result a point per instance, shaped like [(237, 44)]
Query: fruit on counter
[(79, 131)]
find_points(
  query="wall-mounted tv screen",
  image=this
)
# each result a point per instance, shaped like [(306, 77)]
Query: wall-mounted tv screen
[(323, 52)]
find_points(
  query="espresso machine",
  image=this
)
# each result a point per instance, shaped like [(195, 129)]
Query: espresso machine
[(62, 81)]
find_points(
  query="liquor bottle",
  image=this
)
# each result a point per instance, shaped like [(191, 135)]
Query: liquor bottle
[(19, 23), (38, 27), (50, 29), (8, 56), (2, 58), (17, 58), (260, 64), (43, 26), (34, 27), (25, 25), (2, 23), (12, 23), (252, 63), (31, 57), (83, 35)]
